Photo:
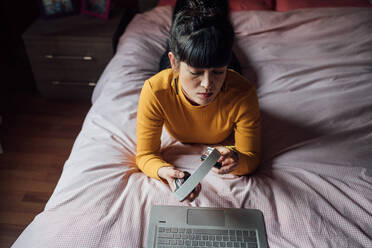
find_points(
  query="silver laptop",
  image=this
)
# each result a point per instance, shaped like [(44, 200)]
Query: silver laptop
[(175, 226)]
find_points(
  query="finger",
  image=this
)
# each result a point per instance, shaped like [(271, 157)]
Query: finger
[(191, 197), (228, 155), (224, 169), (219, 171), (176, 174), (197, 189), (228, 168), (194, 193), (228, 161), (225, 157), (223, 150), (222, 158)]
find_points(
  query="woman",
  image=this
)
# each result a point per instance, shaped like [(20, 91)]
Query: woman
[(199, 100)]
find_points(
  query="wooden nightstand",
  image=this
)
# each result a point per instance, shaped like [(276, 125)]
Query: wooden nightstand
[(68, 54)]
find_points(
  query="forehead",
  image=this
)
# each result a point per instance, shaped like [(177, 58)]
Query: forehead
[(188, 67)]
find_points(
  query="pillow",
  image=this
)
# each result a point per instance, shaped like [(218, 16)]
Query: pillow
[(236, 5), (286, 5)]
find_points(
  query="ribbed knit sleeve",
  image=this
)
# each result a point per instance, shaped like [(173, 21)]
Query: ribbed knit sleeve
[(149, 128), (247, 134)]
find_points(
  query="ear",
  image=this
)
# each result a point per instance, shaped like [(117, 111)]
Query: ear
[(173, 61)]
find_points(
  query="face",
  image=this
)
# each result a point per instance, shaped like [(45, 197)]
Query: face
[(200, 85)]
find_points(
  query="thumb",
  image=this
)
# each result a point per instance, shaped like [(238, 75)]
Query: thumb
[(224, 152), (176, 174)]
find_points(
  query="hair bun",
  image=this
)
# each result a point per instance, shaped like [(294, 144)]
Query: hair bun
[(205, 7)]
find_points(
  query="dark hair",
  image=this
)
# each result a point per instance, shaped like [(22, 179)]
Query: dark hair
[(201, 38), (220, 7)]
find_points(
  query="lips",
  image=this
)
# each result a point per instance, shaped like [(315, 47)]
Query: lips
[(206, 95)]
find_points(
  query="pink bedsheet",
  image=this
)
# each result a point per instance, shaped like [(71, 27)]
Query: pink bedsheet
[(313, 73)]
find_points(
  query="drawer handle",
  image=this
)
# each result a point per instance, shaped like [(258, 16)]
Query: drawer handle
[(63, 83), (57, 57)]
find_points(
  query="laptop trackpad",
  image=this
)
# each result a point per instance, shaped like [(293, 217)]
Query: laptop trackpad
[(205, 217)]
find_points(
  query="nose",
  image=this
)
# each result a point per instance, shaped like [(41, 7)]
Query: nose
[(206, 80)]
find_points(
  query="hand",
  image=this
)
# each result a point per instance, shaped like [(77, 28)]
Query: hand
[(168, 174), (228, 160)]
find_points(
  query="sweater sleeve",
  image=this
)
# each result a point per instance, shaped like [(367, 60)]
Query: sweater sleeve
[(247, 134), (149, 128)]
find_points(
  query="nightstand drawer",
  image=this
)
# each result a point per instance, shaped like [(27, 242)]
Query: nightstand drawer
[(68, 70), (66, 89), (69, 54)]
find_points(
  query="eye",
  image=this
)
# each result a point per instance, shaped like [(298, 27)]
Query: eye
[(218, 72), (196, 73)]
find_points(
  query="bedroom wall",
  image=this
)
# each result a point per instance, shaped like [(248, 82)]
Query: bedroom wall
[(121, 4), (15, 17)]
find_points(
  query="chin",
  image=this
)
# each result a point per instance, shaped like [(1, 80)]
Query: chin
[(203, 103)]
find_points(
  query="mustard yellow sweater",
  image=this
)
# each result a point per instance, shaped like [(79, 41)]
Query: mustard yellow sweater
[(233, 110)]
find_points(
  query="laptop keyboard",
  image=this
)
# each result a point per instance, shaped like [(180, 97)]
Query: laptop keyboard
[(187, 237)]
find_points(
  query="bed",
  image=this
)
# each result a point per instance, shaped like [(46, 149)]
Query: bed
[(312, 69)]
